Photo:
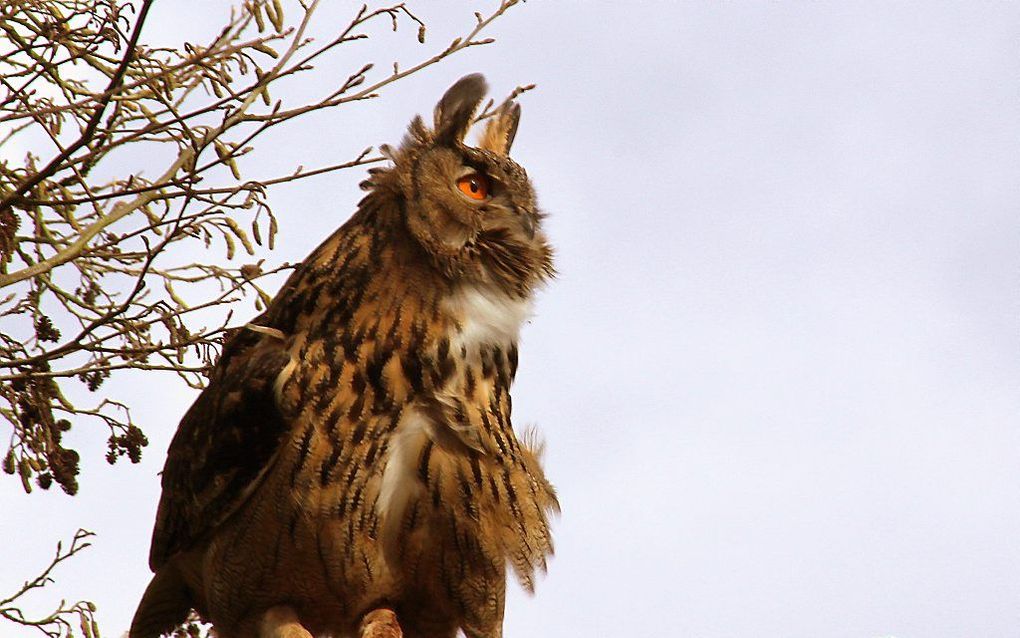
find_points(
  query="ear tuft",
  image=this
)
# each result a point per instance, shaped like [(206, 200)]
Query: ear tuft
[(457, 107), (502, 128)]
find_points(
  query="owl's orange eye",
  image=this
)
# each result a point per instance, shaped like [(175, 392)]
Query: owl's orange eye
[(475, 186)]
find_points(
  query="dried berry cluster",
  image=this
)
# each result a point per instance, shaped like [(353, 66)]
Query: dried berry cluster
[(39, 454), (129, 443), (45, 330)]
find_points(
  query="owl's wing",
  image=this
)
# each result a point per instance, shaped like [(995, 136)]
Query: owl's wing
[(224, 444)]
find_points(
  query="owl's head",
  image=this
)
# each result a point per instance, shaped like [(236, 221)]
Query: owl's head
[(471, 208)]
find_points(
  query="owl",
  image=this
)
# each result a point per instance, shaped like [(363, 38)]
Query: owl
[(353, 453)]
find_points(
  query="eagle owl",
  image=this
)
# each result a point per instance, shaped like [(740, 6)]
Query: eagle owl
[(353, 450)]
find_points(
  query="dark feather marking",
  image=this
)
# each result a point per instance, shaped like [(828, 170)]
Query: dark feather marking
[(412, 517), (323, 397), (423, 462), (410, 363), (373, 529), (330, 463), (504, 424), (443, 369), (476, 469), (436, 499), (500, 439), (303, 449), (351, 341), (368, 566), (352, 471), (468, 495), (376, 249), (332, 420), (356, 496), (487, 367), (511, 494), (358, 384), (367, 515), (354, 413), (360, 428), (372, 453), (374, 371), (419, 330), (502, 374), (393, 336), (394, 419), (512, 358), (311, 299), (340, 511), (494, 488)]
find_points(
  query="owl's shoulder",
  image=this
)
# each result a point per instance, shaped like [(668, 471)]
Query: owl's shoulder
[(224, 443)]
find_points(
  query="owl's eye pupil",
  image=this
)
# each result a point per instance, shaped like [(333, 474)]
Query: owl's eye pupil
[(474, 186)]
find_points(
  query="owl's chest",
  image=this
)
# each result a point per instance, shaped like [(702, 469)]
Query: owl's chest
[(441, 435), (369, 408)]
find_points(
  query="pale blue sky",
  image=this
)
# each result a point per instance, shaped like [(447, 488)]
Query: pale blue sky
[(779, 374)]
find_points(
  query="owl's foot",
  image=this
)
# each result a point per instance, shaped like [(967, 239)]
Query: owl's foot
[(281, 622), (380, 623)]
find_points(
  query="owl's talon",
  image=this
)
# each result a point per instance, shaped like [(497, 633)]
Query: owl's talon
[(282, 622), (380, 623)]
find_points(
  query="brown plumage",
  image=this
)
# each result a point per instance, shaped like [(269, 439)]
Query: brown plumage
[(353, 450)]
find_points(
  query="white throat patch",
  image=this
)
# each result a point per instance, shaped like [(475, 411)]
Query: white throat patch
[(487, 316)]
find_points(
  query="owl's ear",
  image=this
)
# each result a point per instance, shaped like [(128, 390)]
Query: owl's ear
[(501, 129), (457, 107)]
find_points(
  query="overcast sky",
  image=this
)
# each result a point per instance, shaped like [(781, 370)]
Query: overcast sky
[(779, 373)]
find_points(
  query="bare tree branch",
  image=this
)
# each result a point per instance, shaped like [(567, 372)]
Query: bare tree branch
[(58, 623), (90, 128)]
